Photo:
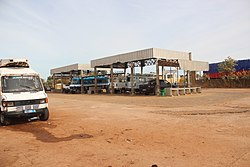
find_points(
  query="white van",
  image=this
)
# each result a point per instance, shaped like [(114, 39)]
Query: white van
[(21, 92)]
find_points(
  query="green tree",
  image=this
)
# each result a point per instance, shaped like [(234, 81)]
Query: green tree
[(49, 81), (227, 67)]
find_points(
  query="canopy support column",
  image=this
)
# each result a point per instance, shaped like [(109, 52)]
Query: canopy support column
[(188, 79), (177, 80), (124, 71), (81, 75), (171, 79), (112, 78), (70, 76), (157, 91), (54, 81), (142, 65), (132, 79), (193, 78), (61, 82), (95, 73), (184, 78), (162, 70)]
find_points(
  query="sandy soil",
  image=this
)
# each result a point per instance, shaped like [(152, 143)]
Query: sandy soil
[(208, 129)]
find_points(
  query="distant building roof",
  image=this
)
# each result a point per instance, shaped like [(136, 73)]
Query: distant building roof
[(73, 67)]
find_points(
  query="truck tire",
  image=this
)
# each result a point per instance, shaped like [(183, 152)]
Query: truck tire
[(3, 120), (123, 91), (45, 115)]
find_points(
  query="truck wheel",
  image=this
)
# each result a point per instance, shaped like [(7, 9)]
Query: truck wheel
[(45, 115), (123, 91), (3, 120)]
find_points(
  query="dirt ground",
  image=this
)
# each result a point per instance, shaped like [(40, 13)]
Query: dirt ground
[(208, 129)]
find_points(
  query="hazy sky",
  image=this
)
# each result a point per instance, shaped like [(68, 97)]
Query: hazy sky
[(54, 33)]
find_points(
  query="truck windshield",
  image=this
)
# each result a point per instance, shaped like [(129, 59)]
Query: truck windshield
[(21, 84)]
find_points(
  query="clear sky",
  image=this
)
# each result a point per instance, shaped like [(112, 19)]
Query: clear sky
[(54, 33)]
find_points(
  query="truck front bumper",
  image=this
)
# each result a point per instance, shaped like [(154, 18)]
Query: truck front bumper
[(24, 113)]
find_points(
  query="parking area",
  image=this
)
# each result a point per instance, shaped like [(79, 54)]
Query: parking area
[(208, 129)]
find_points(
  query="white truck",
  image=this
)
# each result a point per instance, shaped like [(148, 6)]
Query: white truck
[(21, 92)]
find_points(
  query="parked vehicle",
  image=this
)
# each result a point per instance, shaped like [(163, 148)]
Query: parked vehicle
[(75, 85), (150, 86), (89, 84), (125, 84), (21, 92), (66, 89), (47, 89)]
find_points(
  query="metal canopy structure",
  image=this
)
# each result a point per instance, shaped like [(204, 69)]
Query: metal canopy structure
[(67, 72), (73, 67), (70, 71), (146, 54), (147, 57)]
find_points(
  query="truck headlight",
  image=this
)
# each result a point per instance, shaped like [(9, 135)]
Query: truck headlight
[(7, 103), (42, 101)]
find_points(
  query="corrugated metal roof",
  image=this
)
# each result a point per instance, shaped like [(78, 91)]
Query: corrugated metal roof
[(193, 65), (140, 55), (153, 53), (170, 54), (71, 68)]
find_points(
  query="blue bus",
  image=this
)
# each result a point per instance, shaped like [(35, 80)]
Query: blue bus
[(103, 83)]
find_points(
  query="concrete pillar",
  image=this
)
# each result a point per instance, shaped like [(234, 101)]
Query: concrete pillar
[(157, 91)]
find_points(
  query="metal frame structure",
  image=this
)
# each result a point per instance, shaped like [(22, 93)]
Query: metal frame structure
[(68, 72), (146, 57)]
